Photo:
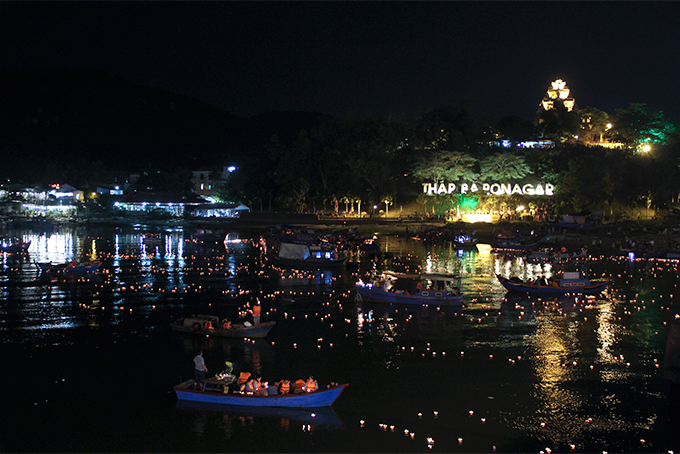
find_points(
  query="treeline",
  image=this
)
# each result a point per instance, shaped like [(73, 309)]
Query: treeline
[(360, 164), (87, 128)]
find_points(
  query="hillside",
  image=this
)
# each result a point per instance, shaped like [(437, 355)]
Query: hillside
[(66, 118)]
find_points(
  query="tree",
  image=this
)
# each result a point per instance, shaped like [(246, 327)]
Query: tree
[(451, 128), (446, 166), (593, 124), (346, 200), (638, 125), (558, 123), (504, 166), (377, 153), (357, 200), (388, 200), (515, 129)]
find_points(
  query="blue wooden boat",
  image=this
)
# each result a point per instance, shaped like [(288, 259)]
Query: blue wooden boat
[(13, 248), (321, 398), (433, 289), (67, 268), (572, 283)]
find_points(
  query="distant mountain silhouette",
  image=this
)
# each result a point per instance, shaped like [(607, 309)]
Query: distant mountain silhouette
[(66, 117)]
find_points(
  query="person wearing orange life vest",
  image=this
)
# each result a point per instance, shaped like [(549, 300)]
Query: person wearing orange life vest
[(310, 385), (252, 385), (298, 386), (256, 312), (284, 386)]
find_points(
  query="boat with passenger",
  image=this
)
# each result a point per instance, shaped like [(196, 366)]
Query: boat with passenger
[(416, 289), (568, 283), (210, 325), (68, 267), (13, 247), (219, 391), (508, 242)]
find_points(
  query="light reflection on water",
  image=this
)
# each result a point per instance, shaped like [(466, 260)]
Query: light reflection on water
[(552, 362), (573, 347)]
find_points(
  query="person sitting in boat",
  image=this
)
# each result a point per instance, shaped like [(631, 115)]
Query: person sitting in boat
[(541, 281), (298, 386), (310, 385), (283, 386), (262, 387), (243, 380), (72, 264), (252, 386), (226, 324), (208, 325)]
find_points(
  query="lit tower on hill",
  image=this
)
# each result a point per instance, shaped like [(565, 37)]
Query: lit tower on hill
[(557, 118), (558, 92)]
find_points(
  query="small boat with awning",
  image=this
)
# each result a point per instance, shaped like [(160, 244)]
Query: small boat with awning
[(307, 256)]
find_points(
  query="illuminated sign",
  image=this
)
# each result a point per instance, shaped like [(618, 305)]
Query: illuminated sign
[(489, 188)]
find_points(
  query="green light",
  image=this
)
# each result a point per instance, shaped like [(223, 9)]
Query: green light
[(467, 203)]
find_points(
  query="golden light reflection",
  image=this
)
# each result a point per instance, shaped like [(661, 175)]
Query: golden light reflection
[(607, 332), (476, 217), (553, 343), (93, 256)]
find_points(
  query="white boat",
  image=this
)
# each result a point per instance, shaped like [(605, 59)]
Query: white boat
[(307, 256)]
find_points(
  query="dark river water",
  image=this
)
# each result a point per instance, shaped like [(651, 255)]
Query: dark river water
[(89, 364)]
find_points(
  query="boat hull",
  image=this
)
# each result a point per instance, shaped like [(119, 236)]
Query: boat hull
[(322, 398), (592, 289), (15, 248), (511, 248), (62, 268), (308, 263), (555, 256), (378, 294), (258, 331)]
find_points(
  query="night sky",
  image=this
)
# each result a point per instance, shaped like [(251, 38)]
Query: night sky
[(352, 59)]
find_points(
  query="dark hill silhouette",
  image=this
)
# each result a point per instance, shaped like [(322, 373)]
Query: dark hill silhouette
[(67, 117)]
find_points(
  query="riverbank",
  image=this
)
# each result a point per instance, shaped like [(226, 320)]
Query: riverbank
[(608, 238)]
